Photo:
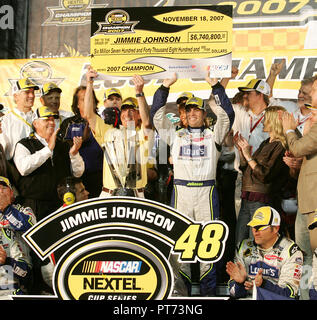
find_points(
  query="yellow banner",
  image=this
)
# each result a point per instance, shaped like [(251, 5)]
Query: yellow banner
[(69, 73)]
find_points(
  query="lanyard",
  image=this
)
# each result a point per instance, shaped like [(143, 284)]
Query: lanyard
[(304, 120), (255, 125), (18, 116)]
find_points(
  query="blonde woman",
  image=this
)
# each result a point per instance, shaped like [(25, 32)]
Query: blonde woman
[(264, 173)]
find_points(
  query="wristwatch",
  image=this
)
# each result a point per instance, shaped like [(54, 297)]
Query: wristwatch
[(139, 95)]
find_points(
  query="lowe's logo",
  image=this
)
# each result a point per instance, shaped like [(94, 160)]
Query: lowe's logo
[(268, 270), (193, 151), (6, 17)]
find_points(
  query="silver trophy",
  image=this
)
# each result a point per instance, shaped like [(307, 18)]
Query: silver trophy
[(122, 155)]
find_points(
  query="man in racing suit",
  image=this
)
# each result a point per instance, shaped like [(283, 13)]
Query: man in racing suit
[(270, 261), (15, 265), (12, 214), (195, 151), (15, 262), (313, 280)]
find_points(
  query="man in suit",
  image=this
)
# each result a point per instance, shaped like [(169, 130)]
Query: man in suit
[(306, 147)]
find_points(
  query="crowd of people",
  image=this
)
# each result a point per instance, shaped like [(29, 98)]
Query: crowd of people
[(248, 161)]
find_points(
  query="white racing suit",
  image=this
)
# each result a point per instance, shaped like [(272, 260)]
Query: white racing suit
[(313, 289), (281, 264), (15, 273), (195, 153)]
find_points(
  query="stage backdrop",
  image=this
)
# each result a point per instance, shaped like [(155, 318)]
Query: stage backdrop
[(58, 37)]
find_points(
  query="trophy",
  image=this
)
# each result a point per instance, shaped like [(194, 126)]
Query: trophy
[(122, 154)]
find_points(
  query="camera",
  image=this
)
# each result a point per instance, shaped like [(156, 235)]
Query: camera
[(112, 116)]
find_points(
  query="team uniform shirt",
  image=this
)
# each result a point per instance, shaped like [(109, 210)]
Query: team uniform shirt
[(109, 137), (17, 217), (313, 289), (195, 153), (281, 264), (26, 162), (15, 125), (16, 269)]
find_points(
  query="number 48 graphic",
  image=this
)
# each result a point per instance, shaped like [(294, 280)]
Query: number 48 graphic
[(205, 242)]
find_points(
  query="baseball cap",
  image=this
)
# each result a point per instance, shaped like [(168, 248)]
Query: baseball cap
[(48, 87), (130, 102), (313, 225), (309, 106), (5, 182), (184, 95), (258, 85), (111, 91), (24, 84), (44, 113), (195, 102), (265, 217)]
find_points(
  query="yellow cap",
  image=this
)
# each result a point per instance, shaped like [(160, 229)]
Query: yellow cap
[(257, 85), (44, 113), (130, 102), (4, 180), (48, 87), (112, 91), (265, 217), (195, 102), (184, 95), (313, 225), (24, 84)]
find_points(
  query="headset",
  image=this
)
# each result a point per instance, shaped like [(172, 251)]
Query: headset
[(69, 195)]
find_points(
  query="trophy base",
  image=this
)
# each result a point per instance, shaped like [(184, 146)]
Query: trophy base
[(124, 192)]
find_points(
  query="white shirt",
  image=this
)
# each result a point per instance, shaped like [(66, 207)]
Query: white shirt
[(26, 162), (15, 125), (251, 128), (301, 120)]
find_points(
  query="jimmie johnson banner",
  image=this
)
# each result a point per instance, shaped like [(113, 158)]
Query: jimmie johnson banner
[(154, 42), (118, 248)]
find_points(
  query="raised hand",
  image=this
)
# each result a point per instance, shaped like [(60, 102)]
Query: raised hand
[(236, 271), (168, 82)]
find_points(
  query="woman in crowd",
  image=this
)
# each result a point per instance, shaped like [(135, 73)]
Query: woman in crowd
[(264, 174)]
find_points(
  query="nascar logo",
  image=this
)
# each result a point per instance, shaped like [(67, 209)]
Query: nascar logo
[(111, 267)]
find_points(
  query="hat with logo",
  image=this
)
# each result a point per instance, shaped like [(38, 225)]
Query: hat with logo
[(130, 103), (112, 91), (313, 225), (44, 113), (257, 85), (309, 106), (184, 95), (265, 217), (5, 182), (195, 102), (24, 84), (48, 87)]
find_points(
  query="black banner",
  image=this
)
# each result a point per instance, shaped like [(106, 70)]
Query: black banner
[(13, 28)]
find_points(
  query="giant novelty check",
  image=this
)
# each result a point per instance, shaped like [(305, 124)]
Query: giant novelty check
[(155, 42)]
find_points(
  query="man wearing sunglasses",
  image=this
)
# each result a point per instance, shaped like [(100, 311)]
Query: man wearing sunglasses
[(270, 261)]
